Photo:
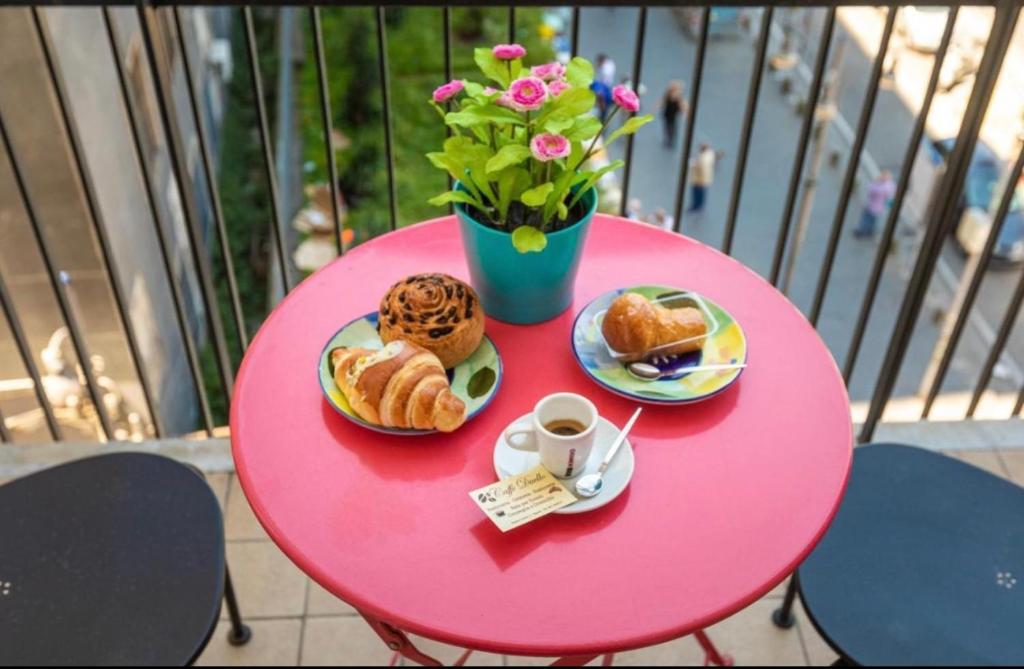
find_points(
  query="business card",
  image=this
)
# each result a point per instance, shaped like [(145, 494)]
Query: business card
[(517, 500)]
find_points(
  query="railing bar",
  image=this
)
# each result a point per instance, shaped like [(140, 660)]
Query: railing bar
[(382, 63), (165, 255), (96, 219), (698, 75), (753, 92), (183, 180), (511, 24), (211, 185), (866, 113), (814, 93), (5, 436), (885, 241), (446, 21), (268, 158), (1019, 405), (950, 189), (325, 112), (974, 284), (996, 350), (575, 31), (25, 350), (638, 56), (59, 289)]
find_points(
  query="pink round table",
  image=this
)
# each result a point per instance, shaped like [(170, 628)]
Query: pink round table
[(728, 497)]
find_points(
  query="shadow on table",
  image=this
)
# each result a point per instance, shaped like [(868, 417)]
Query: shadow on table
[(413, 458), (508, 548)]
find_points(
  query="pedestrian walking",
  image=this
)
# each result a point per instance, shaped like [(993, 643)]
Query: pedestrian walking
[(880, 193), (672, 105), (702, 175), (605, 70)]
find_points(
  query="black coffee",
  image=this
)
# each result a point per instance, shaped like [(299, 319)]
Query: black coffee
[(565, 428)]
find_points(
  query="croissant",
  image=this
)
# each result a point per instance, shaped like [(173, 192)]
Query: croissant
[(401, 385), (435, 311), (633, 326)]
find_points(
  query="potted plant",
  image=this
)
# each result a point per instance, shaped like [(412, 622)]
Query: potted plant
[(524, 197)]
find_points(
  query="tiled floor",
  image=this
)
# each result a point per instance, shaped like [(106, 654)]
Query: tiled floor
[(295, 622)]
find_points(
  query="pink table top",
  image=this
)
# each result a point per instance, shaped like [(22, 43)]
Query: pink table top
[(728, 497)]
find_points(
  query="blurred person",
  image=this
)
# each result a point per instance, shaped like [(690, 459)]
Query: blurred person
[(671, 106), (880, 193), (661, 219), (634, 209), (604, 70), (702, 175)]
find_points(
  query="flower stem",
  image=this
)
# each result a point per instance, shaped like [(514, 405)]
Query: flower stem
[(607, 120)]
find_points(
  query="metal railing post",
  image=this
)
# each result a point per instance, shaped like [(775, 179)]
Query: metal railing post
[(903, 184), (949, 190), (165, 245), (325, 113), (698, 75), (638, 56), (389, 154), (83, 177)]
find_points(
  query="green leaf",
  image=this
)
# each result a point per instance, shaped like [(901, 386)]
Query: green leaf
[(629, 127), (575, 101), (510, 154), (592, 178), (454, 196), (494, 69), (558, 124), (583, 128), (535, 197), (580, 72), (563, 211), (473, 89), (480, 115), (528, 239), (481, 382)]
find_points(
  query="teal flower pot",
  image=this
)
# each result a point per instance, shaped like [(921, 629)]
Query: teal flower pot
[(524, 288)]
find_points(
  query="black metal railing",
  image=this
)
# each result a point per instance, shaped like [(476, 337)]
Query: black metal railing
[(163, 29)]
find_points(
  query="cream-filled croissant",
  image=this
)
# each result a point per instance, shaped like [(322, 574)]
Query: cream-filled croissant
[(633, 326), (401, 385)]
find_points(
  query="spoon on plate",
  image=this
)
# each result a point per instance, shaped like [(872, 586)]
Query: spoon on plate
[(648, 372), (591, 484)]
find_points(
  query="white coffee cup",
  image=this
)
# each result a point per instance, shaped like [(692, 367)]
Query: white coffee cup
[(563, 455)]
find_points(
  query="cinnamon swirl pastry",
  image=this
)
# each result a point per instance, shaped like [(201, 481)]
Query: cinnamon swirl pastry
[(435, 311)]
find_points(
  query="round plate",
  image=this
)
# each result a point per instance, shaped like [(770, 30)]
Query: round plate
[(510, 462), (475, 380), (726, 344)]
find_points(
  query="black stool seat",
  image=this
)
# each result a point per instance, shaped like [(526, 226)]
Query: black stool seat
[(112, 560), (923, 565)]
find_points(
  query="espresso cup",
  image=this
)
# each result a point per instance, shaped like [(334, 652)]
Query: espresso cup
[(564, 455)]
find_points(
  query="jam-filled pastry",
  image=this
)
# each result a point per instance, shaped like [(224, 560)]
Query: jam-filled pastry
[(401, 385), (436, 311), (634, 325)]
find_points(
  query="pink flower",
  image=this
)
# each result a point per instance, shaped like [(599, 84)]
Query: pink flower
[(448, 91), (557, 87), (548, 72), (508, 51), (527, 93), (547, 147), (626, 98)]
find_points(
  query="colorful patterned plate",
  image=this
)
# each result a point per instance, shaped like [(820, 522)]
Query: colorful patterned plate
[(475, 380), (726, 344)]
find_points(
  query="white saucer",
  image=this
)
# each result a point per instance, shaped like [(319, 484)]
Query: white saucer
[(510, 462)]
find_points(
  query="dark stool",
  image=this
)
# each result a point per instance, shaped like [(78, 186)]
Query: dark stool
[(923, 565), (112, 560)]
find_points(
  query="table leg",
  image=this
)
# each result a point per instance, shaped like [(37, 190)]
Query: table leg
[(711, 654), (397, 641)]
